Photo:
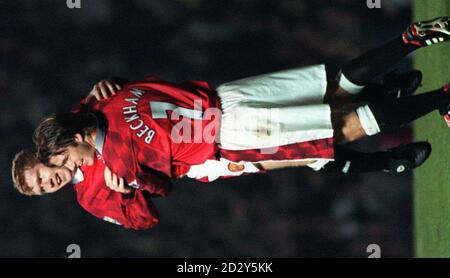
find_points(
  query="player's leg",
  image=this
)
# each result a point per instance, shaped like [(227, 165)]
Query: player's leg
[(386, 114), (393, 86), (349, 126), (361, 70), (274, 165), (396, 160), (337, 97)]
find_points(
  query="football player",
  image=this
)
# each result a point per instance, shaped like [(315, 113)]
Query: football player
[(98, 191), (152, 131), (288, 118), (108, 197)]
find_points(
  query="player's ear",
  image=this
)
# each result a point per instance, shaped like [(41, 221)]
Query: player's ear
[(78, 138)]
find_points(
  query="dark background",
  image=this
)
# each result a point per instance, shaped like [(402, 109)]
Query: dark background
[(50, 57)]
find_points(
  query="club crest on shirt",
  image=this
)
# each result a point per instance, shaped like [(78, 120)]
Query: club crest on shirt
[(234, 167)]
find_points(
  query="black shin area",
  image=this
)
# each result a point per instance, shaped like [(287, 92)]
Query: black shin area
[(396, 113), (351, 161), (366, 67)]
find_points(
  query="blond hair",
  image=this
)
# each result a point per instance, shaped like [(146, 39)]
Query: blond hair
[(23, 160)]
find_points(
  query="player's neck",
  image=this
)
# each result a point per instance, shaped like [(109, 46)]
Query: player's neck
[(91, 137)]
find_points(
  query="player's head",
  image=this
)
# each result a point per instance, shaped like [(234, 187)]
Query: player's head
[(66, 139), (31, 177)]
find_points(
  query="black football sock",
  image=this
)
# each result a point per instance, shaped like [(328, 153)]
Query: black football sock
[(350, 161), (398, 112), (366, 67), (393, 86), (372, 92)]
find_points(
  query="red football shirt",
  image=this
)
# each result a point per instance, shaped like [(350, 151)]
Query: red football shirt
[(152, 131), (134, 211)]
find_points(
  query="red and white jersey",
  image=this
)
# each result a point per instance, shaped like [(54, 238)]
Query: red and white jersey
[(150, 131)]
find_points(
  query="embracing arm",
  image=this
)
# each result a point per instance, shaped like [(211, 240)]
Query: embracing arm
[(139, 211), (137, 208), (106, 88), (132, 208)]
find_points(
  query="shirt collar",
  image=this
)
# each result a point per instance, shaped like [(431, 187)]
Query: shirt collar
[(78, 177), (101, 132)]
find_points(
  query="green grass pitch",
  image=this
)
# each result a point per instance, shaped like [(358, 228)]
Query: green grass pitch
[(432, 181)]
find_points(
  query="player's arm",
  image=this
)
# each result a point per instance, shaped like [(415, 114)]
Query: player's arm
[(139, 211), (136, 205), (115, 182), (222, 168), (103, 90), (106, 88)]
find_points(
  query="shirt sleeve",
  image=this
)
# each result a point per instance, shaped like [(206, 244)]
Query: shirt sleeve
[(221, 168), (154, 182), (139, 211), (133, 211)]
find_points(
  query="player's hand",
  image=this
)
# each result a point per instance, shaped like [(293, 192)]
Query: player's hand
[(115, 183), (103, 90)]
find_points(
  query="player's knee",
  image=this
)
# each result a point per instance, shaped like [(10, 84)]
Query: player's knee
[(347, 128), (337, 97), (349, 133)]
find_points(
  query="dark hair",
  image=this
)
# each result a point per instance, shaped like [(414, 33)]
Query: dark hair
[(24, 160), (56, 132)]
